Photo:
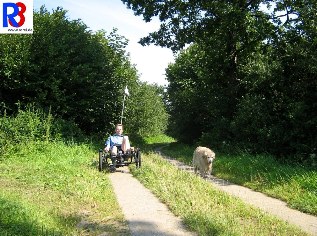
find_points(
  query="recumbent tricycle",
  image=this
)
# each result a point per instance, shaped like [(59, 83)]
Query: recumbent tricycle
[(106, 161)]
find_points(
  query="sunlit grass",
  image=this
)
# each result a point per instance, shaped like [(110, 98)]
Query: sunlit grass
[(296, 185), (203, 208), (159, 139), (181, 152), (56, 189), (52, 188)]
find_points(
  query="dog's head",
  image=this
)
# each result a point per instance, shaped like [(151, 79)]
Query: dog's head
[(210, 156)]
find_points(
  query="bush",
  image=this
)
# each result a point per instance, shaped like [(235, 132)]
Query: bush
[(32, 124)]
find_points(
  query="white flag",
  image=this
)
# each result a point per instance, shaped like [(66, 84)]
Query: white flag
[(126, 91)]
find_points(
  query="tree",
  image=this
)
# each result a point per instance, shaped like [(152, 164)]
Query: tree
[(14, 68), (223, 33), (145, 113), (281, 90), (187, 101), (66, 67), (256, 66), (77, 74)]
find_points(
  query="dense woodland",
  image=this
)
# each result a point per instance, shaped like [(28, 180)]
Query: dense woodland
[(244, 74)]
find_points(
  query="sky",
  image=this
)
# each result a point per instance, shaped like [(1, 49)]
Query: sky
[(150, 61)]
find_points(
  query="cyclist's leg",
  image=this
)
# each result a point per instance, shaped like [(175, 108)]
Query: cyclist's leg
[(125, 144)]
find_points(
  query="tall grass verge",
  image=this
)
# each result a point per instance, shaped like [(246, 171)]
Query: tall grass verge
[(296, 185), (55, 189), (203, 208), (50, 184), (32, 124)]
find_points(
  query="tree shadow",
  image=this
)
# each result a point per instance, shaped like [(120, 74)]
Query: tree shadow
[(16, 220)]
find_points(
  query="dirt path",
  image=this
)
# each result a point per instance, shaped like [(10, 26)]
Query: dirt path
[(146, 215)]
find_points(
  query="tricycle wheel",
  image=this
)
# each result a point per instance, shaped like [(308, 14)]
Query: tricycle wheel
[(101, 160), (138, 159), (112, 169)]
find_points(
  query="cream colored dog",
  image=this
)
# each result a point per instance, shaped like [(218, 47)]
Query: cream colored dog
[(202, 160)]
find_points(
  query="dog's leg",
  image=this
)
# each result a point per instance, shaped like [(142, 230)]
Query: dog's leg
[(195, 169)]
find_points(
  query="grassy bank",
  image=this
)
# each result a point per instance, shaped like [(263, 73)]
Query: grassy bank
[(295, 185), (50, 188), (205, 209)]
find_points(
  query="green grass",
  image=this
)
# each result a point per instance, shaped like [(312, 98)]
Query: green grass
[(154, 142), (50, 188), (296, 185), (183, 153), (159, 139), (203, 208)]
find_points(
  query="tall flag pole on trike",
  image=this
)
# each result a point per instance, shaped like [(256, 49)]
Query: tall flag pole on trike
[(126, 93)]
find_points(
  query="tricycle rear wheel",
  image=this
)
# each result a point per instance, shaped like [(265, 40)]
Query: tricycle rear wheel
[(101, 160), (138, 159)]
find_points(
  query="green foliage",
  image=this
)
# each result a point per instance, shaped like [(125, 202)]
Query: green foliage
[(248, 77), (78, 74), (242, 25), (145, 113), (201, 98), (32, 125), (185, 84), (29, 125), (68, 68), (83, 70)]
